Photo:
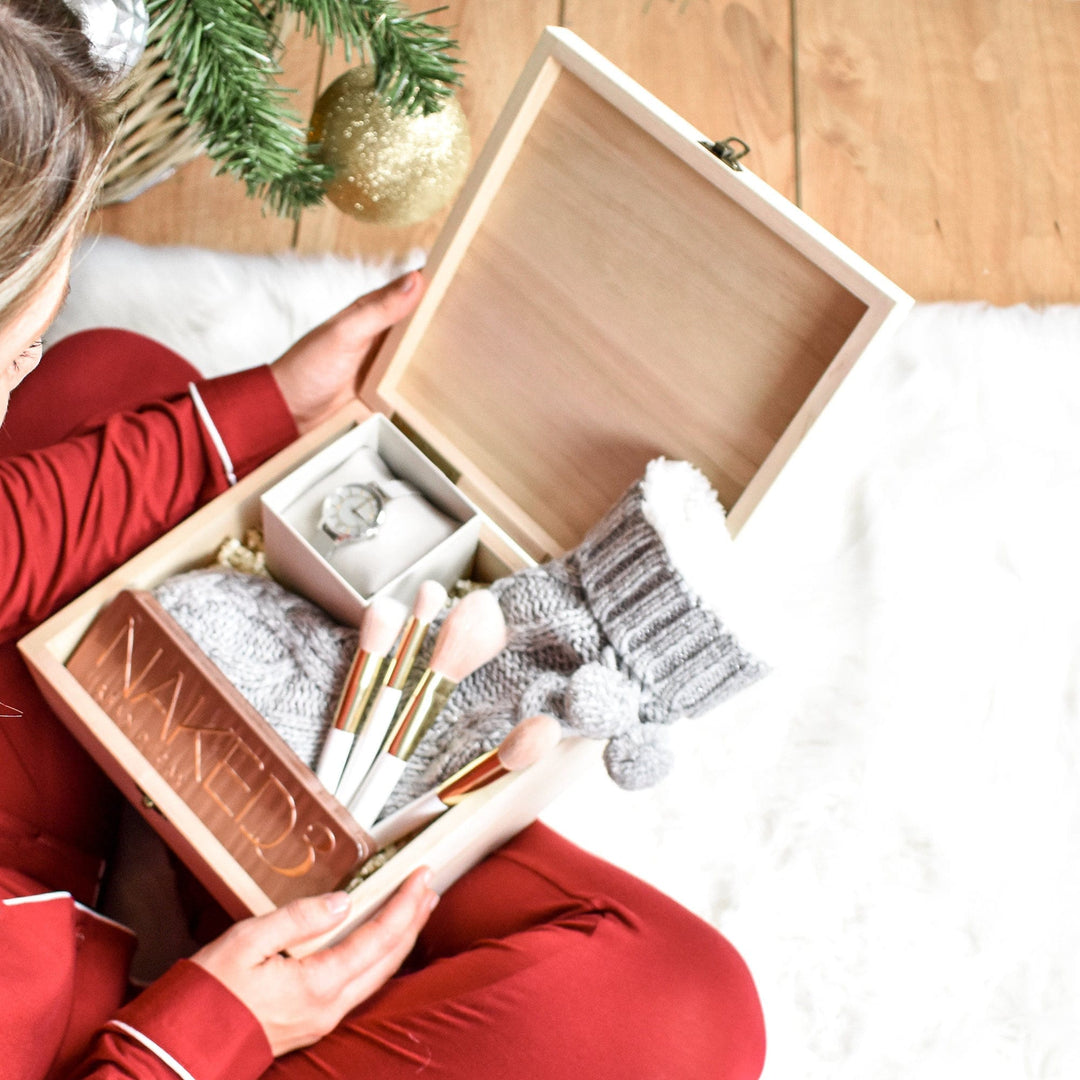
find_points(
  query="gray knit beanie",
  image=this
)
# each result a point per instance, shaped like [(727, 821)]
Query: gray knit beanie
[(285, 655), (611, 638)]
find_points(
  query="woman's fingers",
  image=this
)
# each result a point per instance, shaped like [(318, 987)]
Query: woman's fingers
[(369, 316), (298, 921), (359, 324), (297, 1001), (319, 373), (363, 961)]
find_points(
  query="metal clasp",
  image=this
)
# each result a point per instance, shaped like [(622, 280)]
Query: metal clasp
[(729, 151)]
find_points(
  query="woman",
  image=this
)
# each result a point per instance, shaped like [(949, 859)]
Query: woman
[(541, 962)]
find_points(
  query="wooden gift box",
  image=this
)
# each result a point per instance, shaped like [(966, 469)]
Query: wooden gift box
[(607, 289)]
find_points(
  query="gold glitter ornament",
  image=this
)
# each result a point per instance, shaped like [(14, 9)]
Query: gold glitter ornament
[(389, 169)]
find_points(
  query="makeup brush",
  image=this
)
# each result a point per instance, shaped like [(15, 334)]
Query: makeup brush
[(472, 634), (430, 598), (528, 741), (378, 628)]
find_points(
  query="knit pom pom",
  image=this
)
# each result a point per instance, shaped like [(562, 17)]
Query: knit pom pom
[(639, 757), (600, 702), (545, 694)]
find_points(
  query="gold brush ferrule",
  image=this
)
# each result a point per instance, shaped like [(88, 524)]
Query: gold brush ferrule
[(480, 771), (411, 640), (419, 712), (359, 685)]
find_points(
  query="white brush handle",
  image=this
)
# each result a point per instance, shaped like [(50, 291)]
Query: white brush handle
[(412, 816), (332, 757), (367, 744), (381, 779)]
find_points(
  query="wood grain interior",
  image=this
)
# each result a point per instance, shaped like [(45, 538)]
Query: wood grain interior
[(614, 306)]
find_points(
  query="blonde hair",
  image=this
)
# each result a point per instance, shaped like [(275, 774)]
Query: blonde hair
[(55, 136)]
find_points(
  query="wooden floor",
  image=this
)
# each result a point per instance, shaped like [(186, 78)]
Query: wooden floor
[(941, 141)]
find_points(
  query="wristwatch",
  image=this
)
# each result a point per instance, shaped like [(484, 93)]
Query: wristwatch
[(355, 512)]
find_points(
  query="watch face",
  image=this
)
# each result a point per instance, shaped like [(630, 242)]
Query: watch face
[(352, 512)]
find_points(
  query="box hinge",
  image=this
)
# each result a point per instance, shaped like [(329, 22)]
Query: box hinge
[(729, 151)]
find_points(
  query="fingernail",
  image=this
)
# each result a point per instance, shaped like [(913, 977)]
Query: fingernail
[(406, 283), (337, 903), (433, 901)]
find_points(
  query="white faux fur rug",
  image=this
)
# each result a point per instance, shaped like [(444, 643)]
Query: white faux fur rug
[(888, 827)]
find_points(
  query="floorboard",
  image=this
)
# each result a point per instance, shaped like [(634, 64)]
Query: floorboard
[(939, 141)]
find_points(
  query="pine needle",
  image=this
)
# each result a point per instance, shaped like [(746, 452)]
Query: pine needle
[(222, 55), (415, 71)]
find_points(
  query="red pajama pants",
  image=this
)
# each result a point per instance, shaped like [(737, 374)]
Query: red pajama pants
[(542, 962)]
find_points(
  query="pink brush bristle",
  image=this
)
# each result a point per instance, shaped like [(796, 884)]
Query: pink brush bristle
[(380, 626), (430, 599), (528, 741), (473, 632)]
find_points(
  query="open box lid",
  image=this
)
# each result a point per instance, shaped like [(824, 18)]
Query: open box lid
[(606, 290)]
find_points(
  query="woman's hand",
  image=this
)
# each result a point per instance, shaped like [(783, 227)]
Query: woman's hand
[(298, 1001), (319, 373)]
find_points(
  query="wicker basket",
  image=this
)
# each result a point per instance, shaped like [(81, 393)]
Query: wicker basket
[(153, 140)]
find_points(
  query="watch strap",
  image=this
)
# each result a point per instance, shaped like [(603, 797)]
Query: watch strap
[(393, 489), (324, 543)]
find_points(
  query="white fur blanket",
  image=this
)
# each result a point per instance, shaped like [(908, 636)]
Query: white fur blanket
[(888, 827)]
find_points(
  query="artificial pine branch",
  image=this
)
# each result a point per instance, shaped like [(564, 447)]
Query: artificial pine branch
[(222, 57), (415, 71)]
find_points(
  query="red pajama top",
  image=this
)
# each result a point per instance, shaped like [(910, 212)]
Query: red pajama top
[(68, 515)]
